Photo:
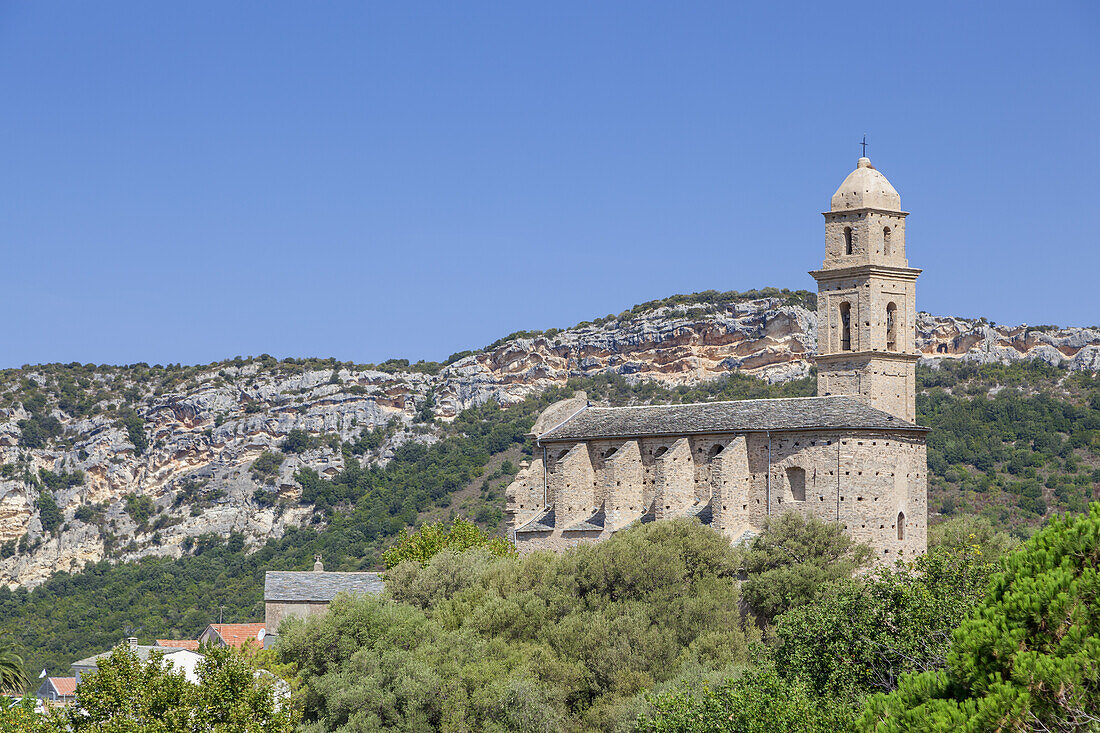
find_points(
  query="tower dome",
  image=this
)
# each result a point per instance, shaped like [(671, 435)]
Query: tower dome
[(866, 188)]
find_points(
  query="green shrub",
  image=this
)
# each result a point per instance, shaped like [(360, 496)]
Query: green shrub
[(49, 513), (794, 558), (757, 702), (1029, 655), (425, 543), (266, 466)]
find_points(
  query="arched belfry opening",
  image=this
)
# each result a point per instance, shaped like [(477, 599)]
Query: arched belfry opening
[(891, 327), (886, 241), (901, 525), (848, 240), (845, 326)]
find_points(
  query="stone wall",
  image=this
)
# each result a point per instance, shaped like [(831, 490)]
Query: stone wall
[(863, 479), (275, 612)]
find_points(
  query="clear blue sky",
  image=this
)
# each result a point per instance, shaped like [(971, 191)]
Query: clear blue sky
[(185, 182)]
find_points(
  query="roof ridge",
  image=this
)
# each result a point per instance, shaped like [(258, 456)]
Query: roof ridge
[(715, 402)]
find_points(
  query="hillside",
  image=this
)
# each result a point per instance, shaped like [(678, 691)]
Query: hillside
[(119, 463), (210, 475)]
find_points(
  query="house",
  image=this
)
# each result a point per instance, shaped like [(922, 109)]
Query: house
[(57, 690), (303, 593), (234, 635), (183, 660), (192, 644)]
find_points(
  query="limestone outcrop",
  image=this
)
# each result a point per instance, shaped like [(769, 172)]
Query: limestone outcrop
[(204, 431)]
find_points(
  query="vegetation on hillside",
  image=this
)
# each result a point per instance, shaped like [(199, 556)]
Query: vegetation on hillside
[(1014, 444)]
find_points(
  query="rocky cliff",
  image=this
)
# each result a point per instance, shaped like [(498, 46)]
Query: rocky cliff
[(124, 462)]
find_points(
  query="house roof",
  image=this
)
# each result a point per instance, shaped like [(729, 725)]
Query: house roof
[(141, 651), (237, 634), (317, 585), (740, 416), (64, 686), (178, 643)]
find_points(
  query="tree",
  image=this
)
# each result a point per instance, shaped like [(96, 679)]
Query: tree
[(864, 632), (13, 673), (543, 641), (1028, 658), (423, 544), (20, 717), (794, 558), (758, 702), (127, 695)]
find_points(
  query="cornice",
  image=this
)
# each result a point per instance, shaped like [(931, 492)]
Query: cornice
[(887, 355), (888, 271), (867, 210)]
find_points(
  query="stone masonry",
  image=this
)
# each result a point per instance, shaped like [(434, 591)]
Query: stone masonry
[(852, 455)]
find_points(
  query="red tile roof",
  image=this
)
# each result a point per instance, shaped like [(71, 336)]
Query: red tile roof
[(238, 634), (65, 686), (178, 643)]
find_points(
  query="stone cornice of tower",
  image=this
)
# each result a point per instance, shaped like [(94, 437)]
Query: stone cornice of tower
[(884, 271), (847, 355), (867, 209)]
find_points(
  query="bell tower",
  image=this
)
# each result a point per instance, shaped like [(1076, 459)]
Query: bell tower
[(866, 298)]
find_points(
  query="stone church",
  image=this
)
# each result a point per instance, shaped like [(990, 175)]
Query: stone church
[(852, 455)]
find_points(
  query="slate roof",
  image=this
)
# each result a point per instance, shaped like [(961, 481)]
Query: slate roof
[(739, 416), (289, 587), (542, 523), (141, 651)]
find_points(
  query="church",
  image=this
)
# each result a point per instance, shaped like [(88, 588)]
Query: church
[(854, 454)]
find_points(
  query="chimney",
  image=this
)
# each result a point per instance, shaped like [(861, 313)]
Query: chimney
[(317, 566)]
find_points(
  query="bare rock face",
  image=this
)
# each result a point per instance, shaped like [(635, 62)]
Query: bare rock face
[(977, 340), (205, 431)]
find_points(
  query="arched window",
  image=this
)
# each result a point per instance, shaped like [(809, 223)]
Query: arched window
[(796, 479), (660, 451), (886, 241), (847, 240), (901, 525), (715, 450), (891, 327), (845, 326)]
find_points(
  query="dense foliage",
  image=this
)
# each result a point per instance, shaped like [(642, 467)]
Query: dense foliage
[(539, 642), (794, 559), (127, 695), (1028, 658), (757, 702), (1036, 423), (431, 539)]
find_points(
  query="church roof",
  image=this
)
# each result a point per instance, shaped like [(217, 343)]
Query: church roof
[(865, 187), (290, 586), (740, 416)]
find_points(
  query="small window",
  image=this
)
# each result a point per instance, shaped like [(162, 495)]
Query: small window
[(891, 327), (796, 479), (715, 450), (847, 240), (845, 326), (901, 525), (886, 241)]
